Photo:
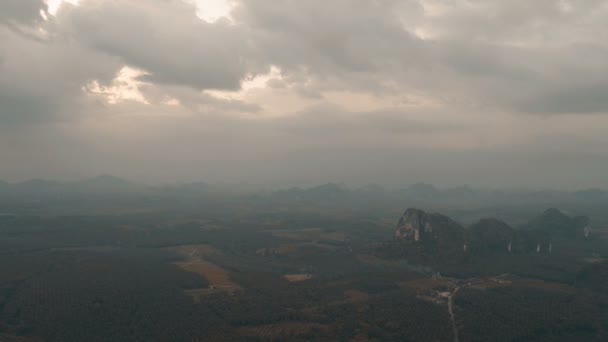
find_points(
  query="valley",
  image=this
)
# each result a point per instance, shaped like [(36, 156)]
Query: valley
[(244, 271)]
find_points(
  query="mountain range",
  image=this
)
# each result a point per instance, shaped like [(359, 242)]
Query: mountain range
[(330, 192), (436, 232)]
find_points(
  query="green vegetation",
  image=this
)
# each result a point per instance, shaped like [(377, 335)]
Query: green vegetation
[(116, 276)]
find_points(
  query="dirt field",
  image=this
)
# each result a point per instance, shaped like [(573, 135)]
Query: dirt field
[(218, 278), (353, 296), (545, 286), (595, 260), (203, 224), (195, 251), (293, 249), (215, 275), (424, 284), (280, 250), (485, 284), (297, 277)]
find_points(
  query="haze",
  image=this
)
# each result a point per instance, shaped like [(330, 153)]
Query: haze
[(488, 93)]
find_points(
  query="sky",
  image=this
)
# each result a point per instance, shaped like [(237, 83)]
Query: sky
[(489, 93)]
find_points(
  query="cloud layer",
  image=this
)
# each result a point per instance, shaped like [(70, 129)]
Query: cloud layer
[(460, 91)]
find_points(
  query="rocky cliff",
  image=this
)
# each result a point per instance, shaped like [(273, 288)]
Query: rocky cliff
[(436, 233), (429, 228)]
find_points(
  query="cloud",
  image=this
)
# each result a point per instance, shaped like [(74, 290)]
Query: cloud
[(166, 39), (493, 54), (14, 12), (42, 79), (282, 79), (321, 37), (514, 56), (570, 98)]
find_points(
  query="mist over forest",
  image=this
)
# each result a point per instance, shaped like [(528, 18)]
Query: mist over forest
[(284, 170)]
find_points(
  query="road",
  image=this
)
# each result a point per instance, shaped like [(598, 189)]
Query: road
[(451, 311)]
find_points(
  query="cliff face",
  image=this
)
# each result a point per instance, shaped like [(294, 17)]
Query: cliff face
[(413, 225), (436, 233), (418, 226)]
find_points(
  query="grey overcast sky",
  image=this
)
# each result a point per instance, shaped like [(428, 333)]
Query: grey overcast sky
[(290, 92)]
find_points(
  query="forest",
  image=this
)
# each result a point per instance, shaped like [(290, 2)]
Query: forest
[(250, 271)]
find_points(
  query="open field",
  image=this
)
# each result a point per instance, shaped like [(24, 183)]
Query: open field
[(195, 251), (216, 275), (544, 285), (308, 234), (294, 249), (218, 278), (354, 296), (293, 278), (280, 331), (424, 284), (264, 276)]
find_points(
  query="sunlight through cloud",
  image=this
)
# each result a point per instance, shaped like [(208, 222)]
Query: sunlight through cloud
[(124, 87), (54, 5), (213, 10)]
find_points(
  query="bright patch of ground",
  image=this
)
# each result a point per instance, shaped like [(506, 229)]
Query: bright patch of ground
[(218, 278), (297, 277), (215, 275), (195, 251)]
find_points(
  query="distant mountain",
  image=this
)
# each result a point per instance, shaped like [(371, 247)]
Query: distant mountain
[(422, 191), (322, 193), (197, 186), (371, 189), (441, 237), (489, 235), (187, 188), (591, 194), (36, 186), (419, 194), (464, 191), (106, 183), (42, 187), (556, 223), (328, 189), (291, 193), (429, 229)]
